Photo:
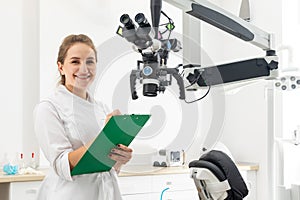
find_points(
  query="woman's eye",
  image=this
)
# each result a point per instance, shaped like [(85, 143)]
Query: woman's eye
[(75, 62), (90, 62)]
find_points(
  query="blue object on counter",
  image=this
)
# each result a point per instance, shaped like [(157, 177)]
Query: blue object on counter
[(10, 169)]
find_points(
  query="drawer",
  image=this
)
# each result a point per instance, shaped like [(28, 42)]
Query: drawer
[(177, 182), (135, 184), (24, 190), (155, 184)]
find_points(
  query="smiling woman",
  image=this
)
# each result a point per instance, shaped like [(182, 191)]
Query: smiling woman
[(68, 121), (77, 63)]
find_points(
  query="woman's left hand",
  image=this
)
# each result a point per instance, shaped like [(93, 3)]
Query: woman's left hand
[(121, 154)]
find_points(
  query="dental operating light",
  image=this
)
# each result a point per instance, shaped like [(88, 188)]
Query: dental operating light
[(155, 48)]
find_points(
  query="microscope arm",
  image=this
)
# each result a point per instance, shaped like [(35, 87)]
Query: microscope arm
[(175, 74), (227, 73), (230, 72)]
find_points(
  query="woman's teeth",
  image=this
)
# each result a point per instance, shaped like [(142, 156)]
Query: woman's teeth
[(83, 76)]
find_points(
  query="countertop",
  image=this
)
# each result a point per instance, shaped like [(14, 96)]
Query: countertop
[(125, 172), (21, 178)]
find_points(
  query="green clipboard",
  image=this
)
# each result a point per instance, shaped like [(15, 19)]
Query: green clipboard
[(120, 129)]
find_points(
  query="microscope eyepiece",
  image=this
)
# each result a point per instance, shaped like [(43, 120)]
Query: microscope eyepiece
[(125, 19), (141, 20)]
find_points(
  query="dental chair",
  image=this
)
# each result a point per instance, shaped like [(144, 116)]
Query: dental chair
[(217, 177)]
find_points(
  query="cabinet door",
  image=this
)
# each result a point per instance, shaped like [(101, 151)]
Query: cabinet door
[(24, 190)]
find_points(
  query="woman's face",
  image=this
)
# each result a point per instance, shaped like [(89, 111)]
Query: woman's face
[(79, 67)]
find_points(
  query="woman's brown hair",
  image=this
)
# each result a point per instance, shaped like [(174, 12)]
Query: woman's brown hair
[(67, 43)]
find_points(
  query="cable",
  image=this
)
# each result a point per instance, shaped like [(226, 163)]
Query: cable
[(200, 97), (169, 26), (195, 81), (162, 12)]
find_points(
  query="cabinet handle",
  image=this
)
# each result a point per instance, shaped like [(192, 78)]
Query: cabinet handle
[(31, 191), (169, 183)]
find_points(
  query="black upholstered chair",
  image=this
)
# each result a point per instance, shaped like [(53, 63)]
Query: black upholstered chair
[(217, 177)]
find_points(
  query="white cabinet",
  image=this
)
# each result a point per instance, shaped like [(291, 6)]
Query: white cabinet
[(180, 187), (136, 187), (23, 190)]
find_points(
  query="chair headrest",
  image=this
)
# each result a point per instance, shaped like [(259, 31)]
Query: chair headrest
[(227, 168), (210, 166)]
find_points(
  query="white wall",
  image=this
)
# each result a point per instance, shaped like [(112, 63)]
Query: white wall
[(19, 80), (245, 127), (11, 81), (291, 99)]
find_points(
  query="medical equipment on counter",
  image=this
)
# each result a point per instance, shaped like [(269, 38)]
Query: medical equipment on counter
[(155, 48), (217, 177), (176, 158), (169, 158), (160, 160)]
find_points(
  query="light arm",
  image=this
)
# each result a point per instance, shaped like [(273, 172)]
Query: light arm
[(225, 21), (230, 72)]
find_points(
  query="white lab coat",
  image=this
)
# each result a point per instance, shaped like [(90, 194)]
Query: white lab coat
[(63, 123)]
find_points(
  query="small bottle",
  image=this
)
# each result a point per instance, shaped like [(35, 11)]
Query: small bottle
[(33, 163), (21, 162)]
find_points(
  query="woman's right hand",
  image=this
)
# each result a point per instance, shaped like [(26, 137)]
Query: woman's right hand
[(113, 113), (121, 154)]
